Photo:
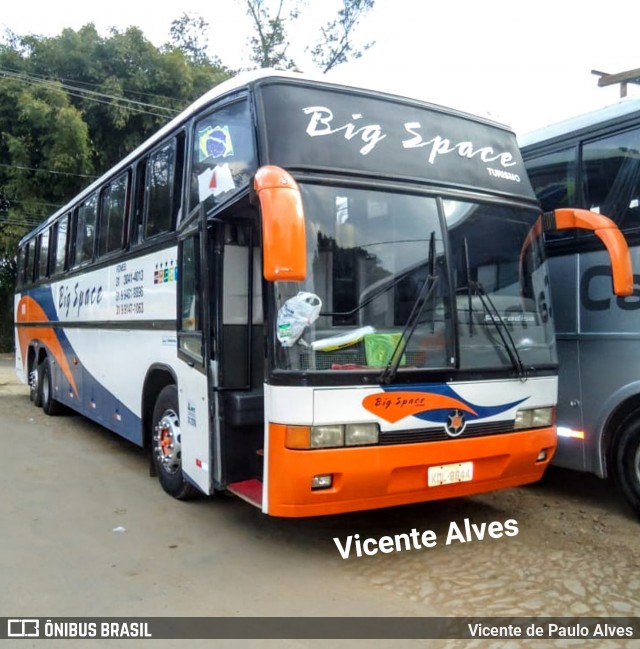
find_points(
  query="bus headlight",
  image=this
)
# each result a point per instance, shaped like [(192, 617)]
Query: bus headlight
[(327, 436), (331, 436), (533, 418), (360, 434)]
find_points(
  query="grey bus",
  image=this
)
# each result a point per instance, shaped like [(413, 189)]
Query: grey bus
[(593, 161)]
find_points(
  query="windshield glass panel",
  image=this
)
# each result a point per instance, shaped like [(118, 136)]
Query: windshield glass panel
[(381, 294), (370, 256), (501, 286)]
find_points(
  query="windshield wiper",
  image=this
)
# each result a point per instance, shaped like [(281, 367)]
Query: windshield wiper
[(394, 281), (493, 313), (501, 328), (424, 297)]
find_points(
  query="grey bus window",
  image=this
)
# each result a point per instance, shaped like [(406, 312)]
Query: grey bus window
[(159, 203), (223, 156), (113, 211), (21, 265), (190, 293), (30, 262), (553, 177), (86, 230), (611, 169), (43, 258), (137, 202), (61, 229)]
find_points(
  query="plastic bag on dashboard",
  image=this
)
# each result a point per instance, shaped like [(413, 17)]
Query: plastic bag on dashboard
[(295, 315)]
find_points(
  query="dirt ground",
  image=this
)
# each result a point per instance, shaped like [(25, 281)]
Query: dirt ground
[(68, 485)]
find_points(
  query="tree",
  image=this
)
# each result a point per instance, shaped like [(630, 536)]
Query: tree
[(46, 157), (73, 105), (190, 34), (335, 45), (269, 44)]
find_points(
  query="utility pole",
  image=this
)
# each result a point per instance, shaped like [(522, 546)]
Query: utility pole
[(623, 78)]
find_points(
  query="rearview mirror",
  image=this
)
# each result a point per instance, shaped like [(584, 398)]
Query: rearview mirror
[(284, 256)]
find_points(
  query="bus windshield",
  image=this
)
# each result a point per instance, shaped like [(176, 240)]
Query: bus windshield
[(386, 291)]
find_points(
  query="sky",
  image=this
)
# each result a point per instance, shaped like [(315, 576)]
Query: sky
[(524, 63)]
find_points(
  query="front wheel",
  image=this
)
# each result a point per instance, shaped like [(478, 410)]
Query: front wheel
[(166, 445), (627, 464)]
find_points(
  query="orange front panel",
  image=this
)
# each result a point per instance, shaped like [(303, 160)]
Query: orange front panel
[(381, 476)]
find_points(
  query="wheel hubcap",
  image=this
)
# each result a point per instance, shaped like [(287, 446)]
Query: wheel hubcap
[(166, 442)]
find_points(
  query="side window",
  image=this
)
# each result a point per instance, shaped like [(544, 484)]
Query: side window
[(223, 156), (190, 338), (138, 201), (30, 262), (43, 257), (113, 215), (553, 177), (611, 170), (22, 264), (61, 230), (86, 230), (162, 195)]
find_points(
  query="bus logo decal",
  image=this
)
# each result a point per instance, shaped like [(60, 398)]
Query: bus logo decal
[(455, 424), (434, 403), (393, 407)]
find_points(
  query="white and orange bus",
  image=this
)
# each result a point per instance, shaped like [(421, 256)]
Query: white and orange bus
[(320, 298)]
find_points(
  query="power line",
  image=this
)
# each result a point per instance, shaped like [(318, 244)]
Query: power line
[(92, 95), (42, 77), (49, 171)]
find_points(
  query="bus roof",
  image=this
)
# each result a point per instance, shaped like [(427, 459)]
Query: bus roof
[(237, 83), (615, 113)]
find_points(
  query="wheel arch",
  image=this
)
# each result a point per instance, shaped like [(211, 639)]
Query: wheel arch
[(158, 376), (613, 427), (36, 353)]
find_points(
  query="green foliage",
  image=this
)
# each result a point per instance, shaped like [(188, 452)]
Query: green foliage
[(335, 46), (73, 105), (269, 43)]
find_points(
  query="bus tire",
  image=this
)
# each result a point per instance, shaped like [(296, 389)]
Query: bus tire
[(33, 382), (627, 463), (35, 385), (49, 404), (165, 445)]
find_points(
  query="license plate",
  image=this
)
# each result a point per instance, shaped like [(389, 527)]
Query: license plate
[(450, 473)]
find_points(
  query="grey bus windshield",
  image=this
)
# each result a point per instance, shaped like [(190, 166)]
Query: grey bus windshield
[(372, 254)]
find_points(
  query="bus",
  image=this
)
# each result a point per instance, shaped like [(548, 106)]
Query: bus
[(319, 298), (593, 162)]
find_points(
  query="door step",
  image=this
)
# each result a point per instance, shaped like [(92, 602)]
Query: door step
[(249, 490)]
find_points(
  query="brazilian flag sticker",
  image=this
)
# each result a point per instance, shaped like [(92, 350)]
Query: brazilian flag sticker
[(215, 142)]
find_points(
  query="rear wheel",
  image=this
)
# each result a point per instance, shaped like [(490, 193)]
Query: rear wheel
[(627, 463), (166, 445), (45, 389), (35, 384)]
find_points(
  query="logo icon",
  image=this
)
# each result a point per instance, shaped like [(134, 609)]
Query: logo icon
[(455, 424), (23, 628)]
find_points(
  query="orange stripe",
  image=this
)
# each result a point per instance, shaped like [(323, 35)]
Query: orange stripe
[(30, 311)]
